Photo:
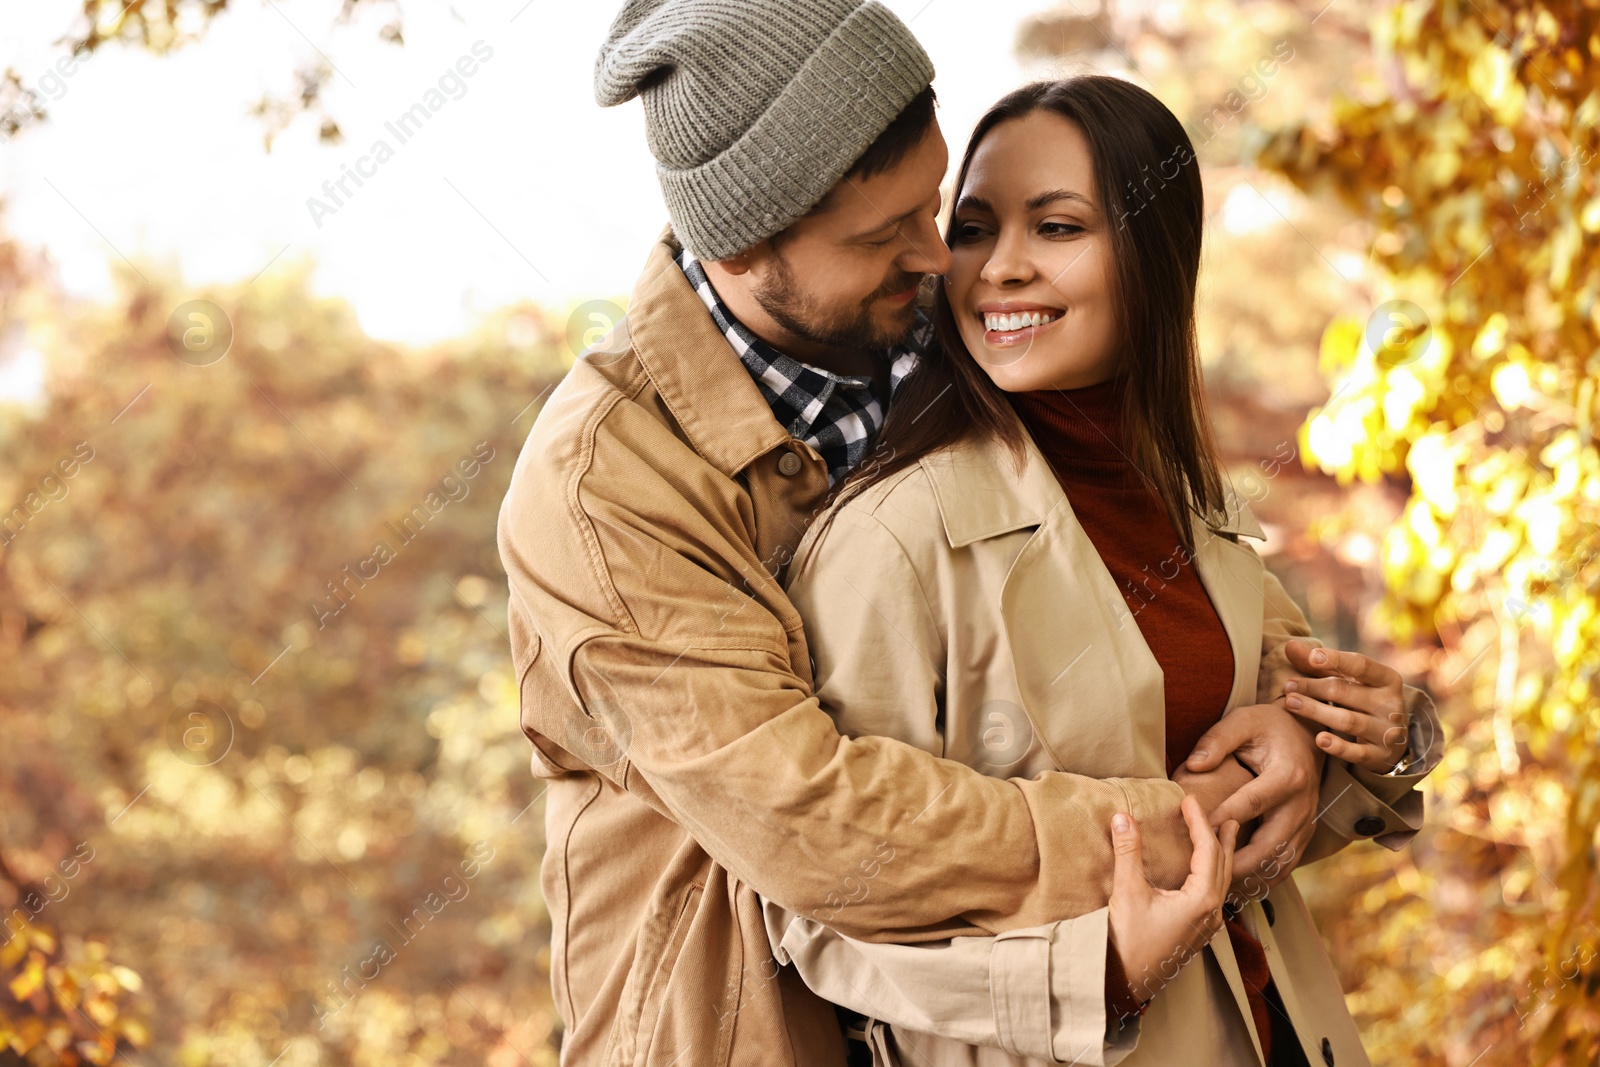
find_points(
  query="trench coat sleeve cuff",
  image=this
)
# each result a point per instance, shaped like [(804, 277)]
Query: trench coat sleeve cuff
[(1357, 803), (1063, 1018)]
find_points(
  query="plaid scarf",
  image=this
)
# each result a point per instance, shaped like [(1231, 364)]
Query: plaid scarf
[(834, 414)]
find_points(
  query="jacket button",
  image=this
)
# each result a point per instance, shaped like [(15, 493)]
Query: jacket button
[(789, 465), (1267, 909), (1327, 1052), (1369, 826)]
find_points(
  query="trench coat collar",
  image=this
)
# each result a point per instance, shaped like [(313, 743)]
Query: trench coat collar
[(695, 370), (983, 491)]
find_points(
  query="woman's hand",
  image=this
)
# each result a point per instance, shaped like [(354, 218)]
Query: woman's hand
[(1154, 932), (1360, 698)]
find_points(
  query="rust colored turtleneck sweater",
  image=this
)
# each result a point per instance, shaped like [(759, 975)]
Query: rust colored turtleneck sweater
[(1079, 431)]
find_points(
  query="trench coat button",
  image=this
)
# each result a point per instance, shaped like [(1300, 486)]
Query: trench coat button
[(1369, 826), (789, 464), (1327, 1052), (1267, 909)]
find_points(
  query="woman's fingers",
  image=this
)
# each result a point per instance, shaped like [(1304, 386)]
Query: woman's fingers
[(1127, 856), (1330, 662), (1384, 702), (1203, 859), (1363, 727), (1364, 755), (1229, 839), (1373, 743), (1210, 868)]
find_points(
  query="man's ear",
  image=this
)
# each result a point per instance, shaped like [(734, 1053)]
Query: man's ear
[(736, 265), (744, 261)]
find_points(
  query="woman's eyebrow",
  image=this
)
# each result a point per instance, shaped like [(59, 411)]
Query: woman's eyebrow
[(1050, 197), (976, 203)]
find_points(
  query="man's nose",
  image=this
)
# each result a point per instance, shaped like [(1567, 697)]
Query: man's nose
[(928, 254)]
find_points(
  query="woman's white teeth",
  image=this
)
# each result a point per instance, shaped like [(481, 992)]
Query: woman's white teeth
[(1016, 320)]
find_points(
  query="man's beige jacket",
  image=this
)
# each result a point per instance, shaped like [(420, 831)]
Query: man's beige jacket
[(960, 607), (666, 686)]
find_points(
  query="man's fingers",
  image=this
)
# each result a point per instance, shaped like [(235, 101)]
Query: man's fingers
[(1217, 743), (1246, 803), (1272, 852)]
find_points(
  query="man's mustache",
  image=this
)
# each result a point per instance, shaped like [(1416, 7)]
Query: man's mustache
[(898, 285)]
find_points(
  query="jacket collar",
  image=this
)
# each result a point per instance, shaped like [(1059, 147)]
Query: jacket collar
[(982, 492), (699, 376)]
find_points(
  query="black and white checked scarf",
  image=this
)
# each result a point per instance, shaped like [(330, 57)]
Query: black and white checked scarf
[(837, 415)]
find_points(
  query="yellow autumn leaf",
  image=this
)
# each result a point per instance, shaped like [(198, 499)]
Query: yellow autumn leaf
[(1491, 336), (1433, 469), (28, 982), (1589, 217), (1511, 385)]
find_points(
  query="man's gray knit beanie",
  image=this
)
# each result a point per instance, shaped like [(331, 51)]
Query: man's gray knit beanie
[(754, 109)]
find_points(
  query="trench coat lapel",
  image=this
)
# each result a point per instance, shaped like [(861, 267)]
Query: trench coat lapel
[(1089, 683), (1232, 576)]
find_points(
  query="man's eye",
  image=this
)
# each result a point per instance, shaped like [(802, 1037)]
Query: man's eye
[(883, 243)]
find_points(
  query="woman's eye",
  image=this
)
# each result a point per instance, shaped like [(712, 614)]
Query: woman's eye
[(968, 231), (1059, 229)]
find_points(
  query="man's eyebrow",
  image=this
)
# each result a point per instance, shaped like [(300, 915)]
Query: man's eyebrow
[(886, 224)]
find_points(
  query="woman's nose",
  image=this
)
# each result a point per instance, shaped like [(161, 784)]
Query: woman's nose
[(1008, 263)]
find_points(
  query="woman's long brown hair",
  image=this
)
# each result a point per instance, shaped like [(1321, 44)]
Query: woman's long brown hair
[(1148, 183)]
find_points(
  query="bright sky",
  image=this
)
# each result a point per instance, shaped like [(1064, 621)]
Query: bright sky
[(521, 188)]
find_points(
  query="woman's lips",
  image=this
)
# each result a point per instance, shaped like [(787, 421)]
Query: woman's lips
[(1022, 335)]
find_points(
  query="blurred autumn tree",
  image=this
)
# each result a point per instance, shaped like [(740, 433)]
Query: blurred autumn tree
[(1440, 256), (161, 26), (1474, 151), (297, 821)]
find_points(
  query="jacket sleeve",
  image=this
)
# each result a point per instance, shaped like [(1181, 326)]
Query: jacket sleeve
[(670, 635), (1354, 802)]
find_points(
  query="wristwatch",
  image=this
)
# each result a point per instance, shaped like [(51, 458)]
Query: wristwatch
[(1403, 764)]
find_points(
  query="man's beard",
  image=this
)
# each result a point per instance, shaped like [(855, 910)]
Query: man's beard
[(852, 329)]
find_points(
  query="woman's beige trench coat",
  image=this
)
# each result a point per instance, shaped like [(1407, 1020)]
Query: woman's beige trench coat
[(967, 585)]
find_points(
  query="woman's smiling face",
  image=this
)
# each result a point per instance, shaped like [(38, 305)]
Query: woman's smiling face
[(1031, 283)]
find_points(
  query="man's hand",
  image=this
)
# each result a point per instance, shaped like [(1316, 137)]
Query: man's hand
[(1360, 698), (1273, 744), (1211, 788)]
